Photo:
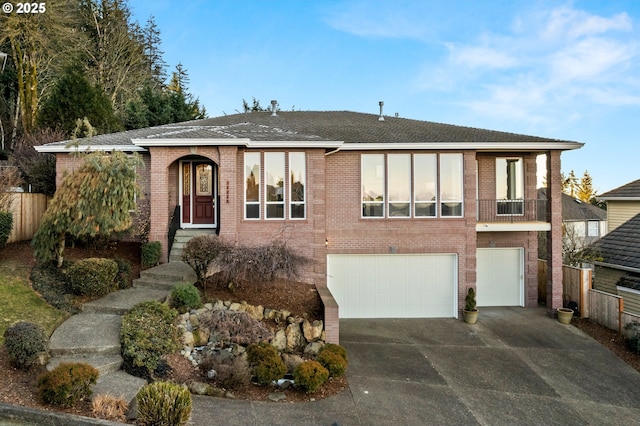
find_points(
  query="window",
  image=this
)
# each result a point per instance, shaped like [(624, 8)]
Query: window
[(593, 228), (406, 185), (252, 185), (510, 186), (274, 184), (451, 188), (399, 178), (425, 175), (297, 176), (372, 175), (276, 191)]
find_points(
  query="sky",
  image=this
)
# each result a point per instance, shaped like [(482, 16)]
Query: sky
[(566, 70)]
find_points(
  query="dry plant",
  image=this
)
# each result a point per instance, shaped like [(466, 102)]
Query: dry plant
[(109, 407), (9, 178)]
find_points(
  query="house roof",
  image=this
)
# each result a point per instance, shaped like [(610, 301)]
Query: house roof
[(574, 210), (629, 191), (333, 129), (619, 249)]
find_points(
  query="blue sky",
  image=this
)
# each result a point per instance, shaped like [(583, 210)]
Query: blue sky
[(566, 70)]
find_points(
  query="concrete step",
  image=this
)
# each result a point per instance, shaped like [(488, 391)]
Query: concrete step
[(170, 272), (154, 284), (192, 232), (120, 302), (87, 333), (104, 363), (119, 384)]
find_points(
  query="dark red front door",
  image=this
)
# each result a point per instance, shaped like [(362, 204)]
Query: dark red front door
[(203, 193)]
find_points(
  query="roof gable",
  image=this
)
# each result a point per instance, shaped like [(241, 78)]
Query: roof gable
[(630, 190)]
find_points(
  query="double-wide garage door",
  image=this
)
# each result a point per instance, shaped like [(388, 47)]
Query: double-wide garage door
[(394, 285)]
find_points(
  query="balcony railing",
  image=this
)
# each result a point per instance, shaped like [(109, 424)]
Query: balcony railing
[(512, 211)]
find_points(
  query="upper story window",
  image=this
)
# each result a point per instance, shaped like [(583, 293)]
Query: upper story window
[(510, 185), (593, 228), (406, 185), (272, 192)]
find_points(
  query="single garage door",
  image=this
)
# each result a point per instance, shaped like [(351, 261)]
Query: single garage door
[(500, 277), (394, 285)]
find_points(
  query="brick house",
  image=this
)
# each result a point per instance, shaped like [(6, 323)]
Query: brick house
[(400, 216)]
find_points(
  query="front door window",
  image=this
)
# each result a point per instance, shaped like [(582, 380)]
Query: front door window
[(198, 193)]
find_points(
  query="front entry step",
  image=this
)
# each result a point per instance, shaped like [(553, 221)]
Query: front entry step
[(182, 237)]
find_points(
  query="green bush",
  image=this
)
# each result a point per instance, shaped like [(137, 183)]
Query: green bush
[(185, 297), (633, 336), (26, 344), (163, 404), (51, 283), (151, 253), (200, 251), (124, 273), (266, 362), (310, 375), (93, 277), (147, 333), (67, 384), (6, 223), (333, 362), (332, 347), (231, 372)]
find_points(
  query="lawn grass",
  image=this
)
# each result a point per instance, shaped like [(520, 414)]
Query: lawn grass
[(18, 301)]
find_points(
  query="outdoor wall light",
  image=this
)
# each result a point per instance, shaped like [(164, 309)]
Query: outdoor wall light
[(326, 243)]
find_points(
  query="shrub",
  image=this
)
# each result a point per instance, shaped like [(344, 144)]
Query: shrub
[(108, 407), (333, 362), (200, 251), (235, 327), (633, 336), (163, 403), (67, 384), (151, 253), (470, 300), (123, 274), (26, 344), (51, 283), (93, 276), (332, 347), (231, 372), (266, 362), (6, 223), (185, 297), (147, 333), (310, 375)]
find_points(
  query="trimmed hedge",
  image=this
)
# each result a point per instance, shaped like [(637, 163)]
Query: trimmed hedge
[(151, 253), (266, 362), (185, 297), (27, 344), (6, 223), (67, 384), (146, 334), (93, 277), (310, 375)]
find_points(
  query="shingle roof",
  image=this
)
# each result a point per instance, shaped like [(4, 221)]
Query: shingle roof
[(621, 247), (631, 281), (576, 210), (345, 126), (629, 190)]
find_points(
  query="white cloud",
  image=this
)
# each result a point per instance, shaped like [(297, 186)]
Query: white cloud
[(566, 23), (481, 57)]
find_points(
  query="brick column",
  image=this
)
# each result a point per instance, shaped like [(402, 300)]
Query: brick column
[(554, 237), (159, 198), (468, 262), (231, 197)]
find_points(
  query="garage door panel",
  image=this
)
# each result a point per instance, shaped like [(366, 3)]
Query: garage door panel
[(394, 286), (499, 277)]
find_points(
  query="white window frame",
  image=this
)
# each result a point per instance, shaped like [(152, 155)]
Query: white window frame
[(434, 201), (447, 200), (392, 180), (267, 169), (302, 179), (379, 174), (258, 181), (510, 204)]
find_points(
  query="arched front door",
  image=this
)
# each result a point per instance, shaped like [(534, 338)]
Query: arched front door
[(199, 192)]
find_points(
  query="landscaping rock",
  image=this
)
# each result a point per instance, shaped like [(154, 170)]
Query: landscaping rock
[(199, 388), (291, 361), (313, 348), (312, 330), (280, 340), (295, 338)]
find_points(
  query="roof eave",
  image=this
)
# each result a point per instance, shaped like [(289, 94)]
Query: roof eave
[(614, 266), (246, 142), (82, 148), (477, 146), (619, 198)]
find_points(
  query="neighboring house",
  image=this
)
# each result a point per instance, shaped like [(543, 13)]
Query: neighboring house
[(583, 222), (623, 203), (400, 216), (619, 270)]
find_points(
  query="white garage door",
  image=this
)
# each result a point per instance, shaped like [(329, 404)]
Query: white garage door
[(394, 285), (500, 277)]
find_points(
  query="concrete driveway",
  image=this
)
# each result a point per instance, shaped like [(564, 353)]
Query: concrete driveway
[(515, 367)]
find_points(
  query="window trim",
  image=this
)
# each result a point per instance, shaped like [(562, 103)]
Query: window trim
[(259, 184), (511, 206), (302, 203)]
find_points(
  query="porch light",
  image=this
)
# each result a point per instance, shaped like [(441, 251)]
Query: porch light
[(326, 243)]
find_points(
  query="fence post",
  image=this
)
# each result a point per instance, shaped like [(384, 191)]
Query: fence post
[(620, 309)]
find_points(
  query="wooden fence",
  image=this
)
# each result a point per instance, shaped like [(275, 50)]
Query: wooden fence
[(27, 209), (576, 283)]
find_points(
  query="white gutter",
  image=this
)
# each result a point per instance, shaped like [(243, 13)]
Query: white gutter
[(90, 148), (476, 146), (235, 142), (619, 198), (613, 266)]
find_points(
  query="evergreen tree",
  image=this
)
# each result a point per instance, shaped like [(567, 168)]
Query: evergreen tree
[(585, 191), (94, 200), (570, 184)]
